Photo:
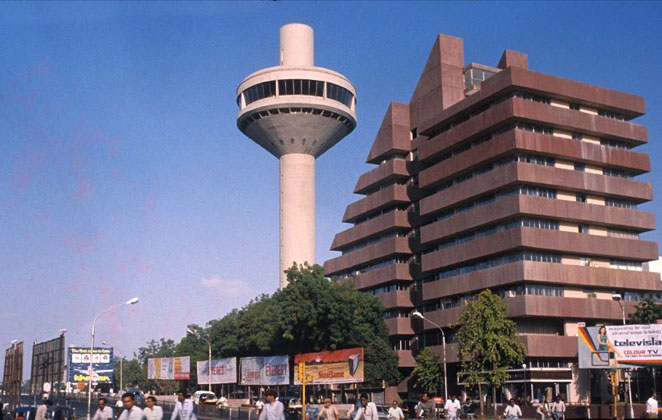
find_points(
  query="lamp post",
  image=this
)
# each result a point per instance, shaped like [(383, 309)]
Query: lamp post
[(417, 314), (617, 297), (190, 331), (132, 301), (121, 362)]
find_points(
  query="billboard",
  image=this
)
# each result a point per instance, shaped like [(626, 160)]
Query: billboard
[(223, 371), (171, 368), (332, 367), (619, 346), (12, 378), (79, 364), (270, 370), (47, 363)]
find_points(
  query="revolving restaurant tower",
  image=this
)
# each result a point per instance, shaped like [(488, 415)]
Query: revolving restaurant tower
[(296, 111)]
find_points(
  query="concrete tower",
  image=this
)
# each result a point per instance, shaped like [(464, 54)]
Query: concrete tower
[(296, 111)]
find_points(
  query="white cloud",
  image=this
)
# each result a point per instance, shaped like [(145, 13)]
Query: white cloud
[(227, 288)]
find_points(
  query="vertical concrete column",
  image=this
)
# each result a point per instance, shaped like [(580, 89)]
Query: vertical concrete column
[(297, 47), (297, 211)]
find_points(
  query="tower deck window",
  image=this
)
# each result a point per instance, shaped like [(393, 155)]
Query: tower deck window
[(339, 93), (301, 87), (260, 91)]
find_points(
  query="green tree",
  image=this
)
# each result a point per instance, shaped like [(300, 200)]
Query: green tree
[(311, 314), (428, 373), (132, 376), (488, 344), (646, 312)]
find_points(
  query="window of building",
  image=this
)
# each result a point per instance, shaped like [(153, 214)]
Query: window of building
[(575, 106), (580, 197), (577, 136), (583, 229), (301, 87), (580, 166), (259, 91), (339, 93)]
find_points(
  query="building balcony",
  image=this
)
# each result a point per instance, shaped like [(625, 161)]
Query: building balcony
[(542, 273), (374, 252), (390, 195), (392, 169), (389, 221)]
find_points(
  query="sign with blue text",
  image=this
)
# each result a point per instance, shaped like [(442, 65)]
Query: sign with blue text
[(270, 370)]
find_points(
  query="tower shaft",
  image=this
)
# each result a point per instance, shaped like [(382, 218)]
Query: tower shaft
[(297, 211)]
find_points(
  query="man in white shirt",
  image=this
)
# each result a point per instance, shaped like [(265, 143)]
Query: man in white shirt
[(651, 407), (184, 407), (152, 411), (367, 410), (43, 409), (131, 411), (512, 410), (452, 407), (273, 409), (395, 412), (103, 411)]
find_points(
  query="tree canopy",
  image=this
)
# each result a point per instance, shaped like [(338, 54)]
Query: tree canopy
[(311, 314), (488, 344), (427, 372), (646, 312)]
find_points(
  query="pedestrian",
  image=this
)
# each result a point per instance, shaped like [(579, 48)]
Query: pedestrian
[(367, 410), (259, 405), (543, 409), (103, 411), (184, 407), (131, 411), (43, 409), (513, 411), (558, 408), (426, 408), (468, 408), (452, 407), (395, 412), (152, 411), (273, 409), (651, 407), (329, 411)]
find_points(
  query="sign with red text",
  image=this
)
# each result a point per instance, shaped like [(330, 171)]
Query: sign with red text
[(619, 346), (270, 370), (172, 368), (332, 367), (223, 371)]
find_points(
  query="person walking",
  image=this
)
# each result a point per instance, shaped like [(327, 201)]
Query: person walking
[(543, 409), (184, 407), (367, 410), (104, 412), (452, 407), (426, 408), (152, 411), (131, 411), (259, 406), (328, 412), (395, 412), (273, 409), (558, 408), (43, 409), (513, 412), (651, 407)]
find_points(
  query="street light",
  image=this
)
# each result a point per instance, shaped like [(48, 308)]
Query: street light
[(617, 297), (190, 331), (417, 314), (132, 301), (121, 360)]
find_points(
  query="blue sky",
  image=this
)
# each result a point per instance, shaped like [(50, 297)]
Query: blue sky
[(122, 172)]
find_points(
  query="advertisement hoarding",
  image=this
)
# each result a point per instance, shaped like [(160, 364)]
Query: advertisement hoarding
[(169, 368), (48, 360), (79, 364), (619, 346), (332, 367), (269, 370), (12, 378), (223, 371)]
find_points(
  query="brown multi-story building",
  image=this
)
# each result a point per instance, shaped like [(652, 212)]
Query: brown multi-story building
[(508, 179)]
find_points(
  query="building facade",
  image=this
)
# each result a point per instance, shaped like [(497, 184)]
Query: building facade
[(507, 179)]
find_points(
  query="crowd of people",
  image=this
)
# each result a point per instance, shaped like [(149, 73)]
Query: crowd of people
[(184, 409)]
